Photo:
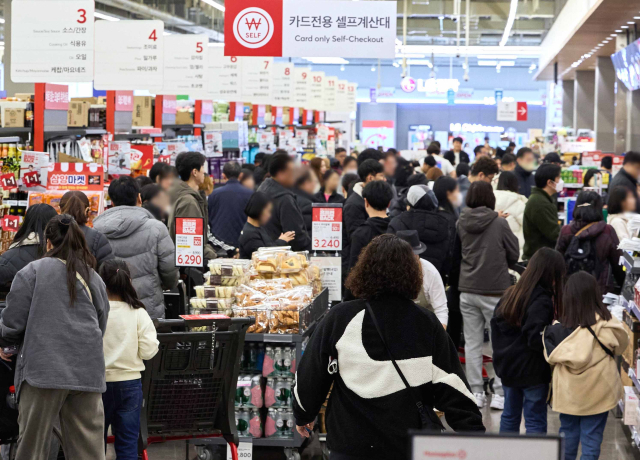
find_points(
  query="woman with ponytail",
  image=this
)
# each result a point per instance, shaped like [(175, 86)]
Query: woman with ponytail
[(76, 204), (56, 315), (130, 339)]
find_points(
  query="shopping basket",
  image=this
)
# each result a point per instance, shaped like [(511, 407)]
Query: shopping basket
[(189, 386)]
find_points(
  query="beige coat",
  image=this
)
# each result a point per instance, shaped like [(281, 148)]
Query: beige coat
[(585, 378)]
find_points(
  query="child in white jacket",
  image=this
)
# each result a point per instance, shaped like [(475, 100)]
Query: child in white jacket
[(129, 339)]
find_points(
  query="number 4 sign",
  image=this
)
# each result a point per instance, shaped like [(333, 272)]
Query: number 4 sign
[(326, 227), (189, 241)]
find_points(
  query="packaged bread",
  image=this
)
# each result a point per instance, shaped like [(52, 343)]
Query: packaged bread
[(267, 263), (212, 304), (284, 321), (300, 278), (261, 313), (273, 286), (224, 292), (229, 267), (290, 263), (223, 280), (246, 296)]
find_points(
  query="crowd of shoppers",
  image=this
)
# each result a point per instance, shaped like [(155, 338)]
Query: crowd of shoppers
[(430, 249)]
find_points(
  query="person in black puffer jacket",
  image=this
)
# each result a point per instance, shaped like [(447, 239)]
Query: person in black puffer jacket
[(520, 318), (76, 204), (434, 229), (28, 245), (303, 190)]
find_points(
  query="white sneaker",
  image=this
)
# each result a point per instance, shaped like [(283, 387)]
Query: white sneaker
[(497, 402), (481, 400)]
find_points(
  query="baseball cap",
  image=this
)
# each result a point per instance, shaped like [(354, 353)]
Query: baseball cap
[(553, 157)]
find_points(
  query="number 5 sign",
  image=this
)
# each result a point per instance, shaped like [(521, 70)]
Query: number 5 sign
[(189, 241), (326, 229)]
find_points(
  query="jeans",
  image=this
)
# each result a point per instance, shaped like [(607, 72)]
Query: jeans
[(533, 400), (122, 405), (585, 429), (477, 311)]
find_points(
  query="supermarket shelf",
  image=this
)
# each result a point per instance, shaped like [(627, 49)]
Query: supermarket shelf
[(135, 136), (74, 132), (10, 140), (273, 338), (575, 185), (630, 263), (634, 379), (257, 442), (178, 127), (10, 131)]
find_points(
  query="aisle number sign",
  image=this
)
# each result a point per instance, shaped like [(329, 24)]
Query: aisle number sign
[(330, 89), (256, 80), (129, 55), (301, 80), (52, 41), (226, 72), (185, 65), (326, 228), (315, 99), (189, 242), (352, 92), (282, 89), (341, 96), (293, 28)]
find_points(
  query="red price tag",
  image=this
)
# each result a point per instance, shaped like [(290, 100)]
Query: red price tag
[(31, 179), (199, 317), (8, 180), (165, 159), (10, 223)]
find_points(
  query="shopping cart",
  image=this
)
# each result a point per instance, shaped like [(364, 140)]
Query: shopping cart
[(189, 386)]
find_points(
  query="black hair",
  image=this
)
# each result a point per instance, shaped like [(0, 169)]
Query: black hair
[(417, 179), (462, 169), (441, 187), (458, 139), (348, 180), (369, 154), (588, 175), (368, 168), (512, 145), (232, 169), (279, 162), (522, 152), (433, 149), (35, 221), (347, 161), (246, 173), (430, 161), (124, 191), (149, 192), (616, 197), (477, 148), (259, 158), (481, 194), (508, 181), (403, 171), (588, 208), (378, 194), (582, 301), (340, 150), (437, 143), (484, 165), (143, 180), (305, 176), (256, 205), (606, 163), (248, 167), (328, 173), (161, 171), (117, 278), (392, 151), (69, 245), (546, 172), (632, 158), (508, 158), (186, 162), (75, 203)]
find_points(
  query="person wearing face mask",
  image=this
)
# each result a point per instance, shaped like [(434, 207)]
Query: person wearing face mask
[(540, 223), (622, 207), (156, 200), (525, 165), (628, 176)]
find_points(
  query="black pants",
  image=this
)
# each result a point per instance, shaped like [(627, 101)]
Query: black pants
[(454, 326)]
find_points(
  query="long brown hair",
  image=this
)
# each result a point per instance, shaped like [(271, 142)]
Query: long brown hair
[(546, 269), (316, 166), (69, 244), (583, 301), (75, 203), (117, 278)]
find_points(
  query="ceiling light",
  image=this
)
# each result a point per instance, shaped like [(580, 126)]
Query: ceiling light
[(624, 27), (487, 63), (395, 64), (342, 68), (507, 63), (619, 31), (426, 62), (631, 22), (105, 16), (636, 17), (497, 56), (217, 6), (509, 25), (373, 68), (326, 60), (614, 35), (1, 20)]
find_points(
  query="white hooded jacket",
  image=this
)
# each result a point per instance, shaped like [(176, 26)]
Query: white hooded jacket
[(514, 204)]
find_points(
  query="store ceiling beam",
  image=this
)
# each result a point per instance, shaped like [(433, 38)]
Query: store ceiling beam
[(498, 10), (433, 25)]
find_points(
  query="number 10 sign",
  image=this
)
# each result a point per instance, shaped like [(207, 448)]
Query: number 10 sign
[(326, 227), (189, 242)]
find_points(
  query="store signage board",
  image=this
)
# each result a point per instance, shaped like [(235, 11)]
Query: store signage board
[(34, 168), (75, 176), (124, 101), (326, 228), (301, 82), (282, 89), (512, 111), (224, 75), (352, 93), (331, 275), (330, 93), (52, 41), (292, 28), (316, 91), (341, 96), (256, 80), (129, 55), (429, 446), (56, 97), (185, 65), (189, 242)]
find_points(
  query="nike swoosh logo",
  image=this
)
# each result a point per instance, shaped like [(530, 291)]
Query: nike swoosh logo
[(369, 378)]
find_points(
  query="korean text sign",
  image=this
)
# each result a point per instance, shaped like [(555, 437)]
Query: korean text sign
[(326, 229), (292, 28), (75, 176), (189, 242)]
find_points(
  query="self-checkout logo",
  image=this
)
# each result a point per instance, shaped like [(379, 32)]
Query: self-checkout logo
[(253, 27)]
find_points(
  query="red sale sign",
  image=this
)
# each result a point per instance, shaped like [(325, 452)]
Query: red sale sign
[(169, 105), (523, 111), (56, 97), (326, 228), (124, 101), (76, 176), (8, 181), (189, 242), (10, 223), (141, 156)]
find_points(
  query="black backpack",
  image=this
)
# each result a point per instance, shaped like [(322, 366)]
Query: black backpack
[(581, 254)]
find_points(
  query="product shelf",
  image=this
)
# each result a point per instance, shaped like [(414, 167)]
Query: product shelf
[(74, 132), (630, 263), (178, 127), (634, 379), (13, 131), (274, 338)]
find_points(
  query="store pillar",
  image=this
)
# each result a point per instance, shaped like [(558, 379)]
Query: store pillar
[(605, 105), (584, 99), (568, 88)]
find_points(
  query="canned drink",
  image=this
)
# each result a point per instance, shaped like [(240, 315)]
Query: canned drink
[(270, 423), (256, 399), (278, 360), (286, 361), (242, 422), (255, 424), (268, 366), (270, 392), (290, 423)]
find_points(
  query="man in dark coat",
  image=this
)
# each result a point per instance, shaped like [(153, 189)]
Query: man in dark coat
[(627, 177), (525, 160), (457, 155)]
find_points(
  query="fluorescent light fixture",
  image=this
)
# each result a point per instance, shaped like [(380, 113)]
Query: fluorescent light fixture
[(165, 33), (105, 16), (426, 62), (631, 22), (624, 27), (507, 63), (619, 31), (497, 56), (614, 35), (326, 60), (510, 20), (636, 17), (395, 64), (487, 63), (217, 6), (373, 68), (342, 68), (217, 44), (1, 20)]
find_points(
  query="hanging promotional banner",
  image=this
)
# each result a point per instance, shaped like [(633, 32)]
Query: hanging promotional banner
[(34, 167), (224, 74), (330, 92), (256, 80), (292, 28), (52, 41), (119, 162), (129, 55), (76, 176), (315, 101), (282, 88), (301, 80), (185, 65)]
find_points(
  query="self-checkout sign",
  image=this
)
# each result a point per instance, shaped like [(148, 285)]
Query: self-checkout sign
[(8, 181), (10, 223)]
